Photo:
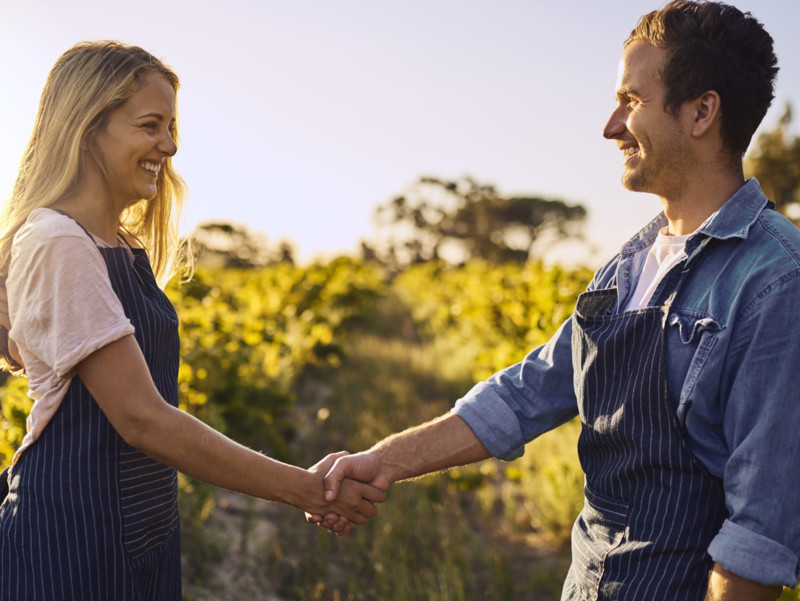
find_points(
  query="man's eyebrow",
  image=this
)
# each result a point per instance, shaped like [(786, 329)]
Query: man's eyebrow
[(627, 92)]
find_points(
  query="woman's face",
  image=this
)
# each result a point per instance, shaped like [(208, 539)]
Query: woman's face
[(135, 140)]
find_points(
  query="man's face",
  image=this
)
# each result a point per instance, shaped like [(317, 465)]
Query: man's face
[(654, 146)]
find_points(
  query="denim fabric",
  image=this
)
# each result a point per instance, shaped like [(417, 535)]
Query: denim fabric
[(732, 371)]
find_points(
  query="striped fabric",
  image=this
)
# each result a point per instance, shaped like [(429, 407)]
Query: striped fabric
[(88, 517), (650, 509)]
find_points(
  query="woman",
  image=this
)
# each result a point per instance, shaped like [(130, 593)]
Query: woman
[(90, 511)]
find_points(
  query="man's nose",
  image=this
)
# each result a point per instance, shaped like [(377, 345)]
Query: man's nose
[(616, 124)]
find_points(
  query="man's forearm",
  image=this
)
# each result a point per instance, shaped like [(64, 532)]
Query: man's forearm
[(437, 445), (440, 444), (727, 586)]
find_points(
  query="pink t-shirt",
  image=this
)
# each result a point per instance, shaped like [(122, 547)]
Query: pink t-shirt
[(62, 309)]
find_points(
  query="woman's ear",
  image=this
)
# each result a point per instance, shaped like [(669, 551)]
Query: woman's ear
[(706, 112)]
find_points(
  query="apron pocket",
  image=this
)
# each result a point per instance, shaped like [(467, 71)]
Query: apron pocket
[(148, 494), (599, 529)]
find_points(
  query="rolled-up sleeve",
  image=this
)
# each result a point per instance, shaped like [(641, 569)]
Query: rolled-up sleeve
[(525, 400), (760, 540)]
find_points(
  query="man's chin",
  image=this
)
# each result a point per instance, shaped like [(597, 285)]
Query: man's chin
[(631, 182)]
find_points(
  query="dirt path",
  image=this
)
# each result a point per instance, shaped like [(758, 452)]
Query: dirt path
[(431, 541)]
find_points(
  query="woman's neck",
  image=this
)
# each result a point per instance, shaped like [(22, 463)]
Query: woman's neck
[(99, 220)]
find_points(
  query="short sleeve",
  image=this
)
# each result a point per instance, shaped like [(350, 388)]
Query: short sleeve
[(61, 302)]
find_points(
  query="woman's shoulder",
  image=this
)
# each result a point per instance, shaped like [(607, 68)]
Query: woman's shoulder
[(48, 234), (48, 223)]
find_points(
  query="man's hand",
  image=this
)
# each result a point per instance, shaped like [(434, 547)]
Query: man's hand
[(352, 490), (343, 470), (366, 467)]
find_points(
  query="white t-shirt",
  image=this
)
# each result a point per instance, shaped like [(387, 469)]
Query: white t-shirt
[(663, 255), (62, 308)]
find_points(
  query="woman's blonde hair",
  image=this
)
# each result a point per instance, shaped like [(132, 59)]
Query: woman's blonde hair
[(85, 85)]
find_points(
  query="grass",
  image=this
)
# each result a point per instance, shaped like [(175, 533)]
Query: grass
[(468, 534)]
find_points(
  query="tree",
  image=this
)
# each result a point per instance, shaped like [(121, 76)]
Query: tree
[(775, 162), (476, 221), (220, 244)]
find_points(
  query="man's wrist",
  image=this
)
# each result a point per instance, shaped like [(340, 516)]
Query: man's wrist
[(724, 585)]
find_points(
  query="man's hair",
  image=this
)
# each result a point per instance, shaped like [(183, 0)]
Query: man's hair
[(714, 46)]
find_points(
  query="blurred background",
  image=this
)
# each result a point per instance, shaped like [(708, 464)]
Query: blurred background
[(389, 202), (297, 118)]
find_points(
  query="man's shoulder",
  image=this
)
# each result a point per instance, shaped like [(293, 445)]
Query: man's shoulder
[(779, 234)]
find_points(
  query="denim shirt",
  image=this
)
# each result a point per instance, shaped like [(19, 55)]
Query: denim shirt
[(732, 341)]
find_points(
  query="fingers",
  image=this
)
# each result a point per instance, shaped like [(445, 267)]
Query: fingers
[(353, 485), (325, 464), (365, 467), (355, 501), (338, 524), (332, 480), (354, 507), (373, 494)]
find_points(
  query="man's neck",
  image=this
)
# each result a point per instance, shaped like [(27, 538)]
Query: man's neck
[(699, 200)]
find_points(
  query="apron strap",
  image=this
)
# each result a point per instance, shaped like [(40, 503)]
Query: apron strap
[(65, 214)]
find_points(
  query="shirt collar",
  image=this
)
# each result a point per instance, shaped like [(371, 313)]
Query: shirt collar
[(733, 220)]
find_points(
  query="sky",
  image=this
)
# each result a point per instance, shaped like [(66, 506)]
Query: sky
[(298, 118)]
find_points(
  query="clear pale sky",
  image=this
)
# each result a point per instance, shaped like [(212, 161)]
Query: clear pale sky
[(298, 117)]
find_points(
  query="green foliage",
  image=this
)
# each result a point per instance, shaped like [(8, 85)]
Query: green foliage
[(775, 161), (789, 595), (248, 335), (499, 311), (14, 408), (433, 538)]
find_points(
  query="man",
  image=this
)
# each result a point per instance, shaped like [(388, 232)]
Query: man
[(681, 358)]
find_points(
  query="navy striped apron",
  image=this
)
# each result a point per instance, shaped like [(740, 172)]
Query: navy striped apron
[(87, 517), (650, 510)]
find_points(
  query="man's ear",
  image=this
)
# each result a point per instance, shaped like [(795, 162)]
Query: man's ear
[(706, 110)]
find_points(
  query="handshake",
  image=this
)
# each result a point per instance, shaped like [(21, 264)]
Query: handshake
[(352, 485)]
